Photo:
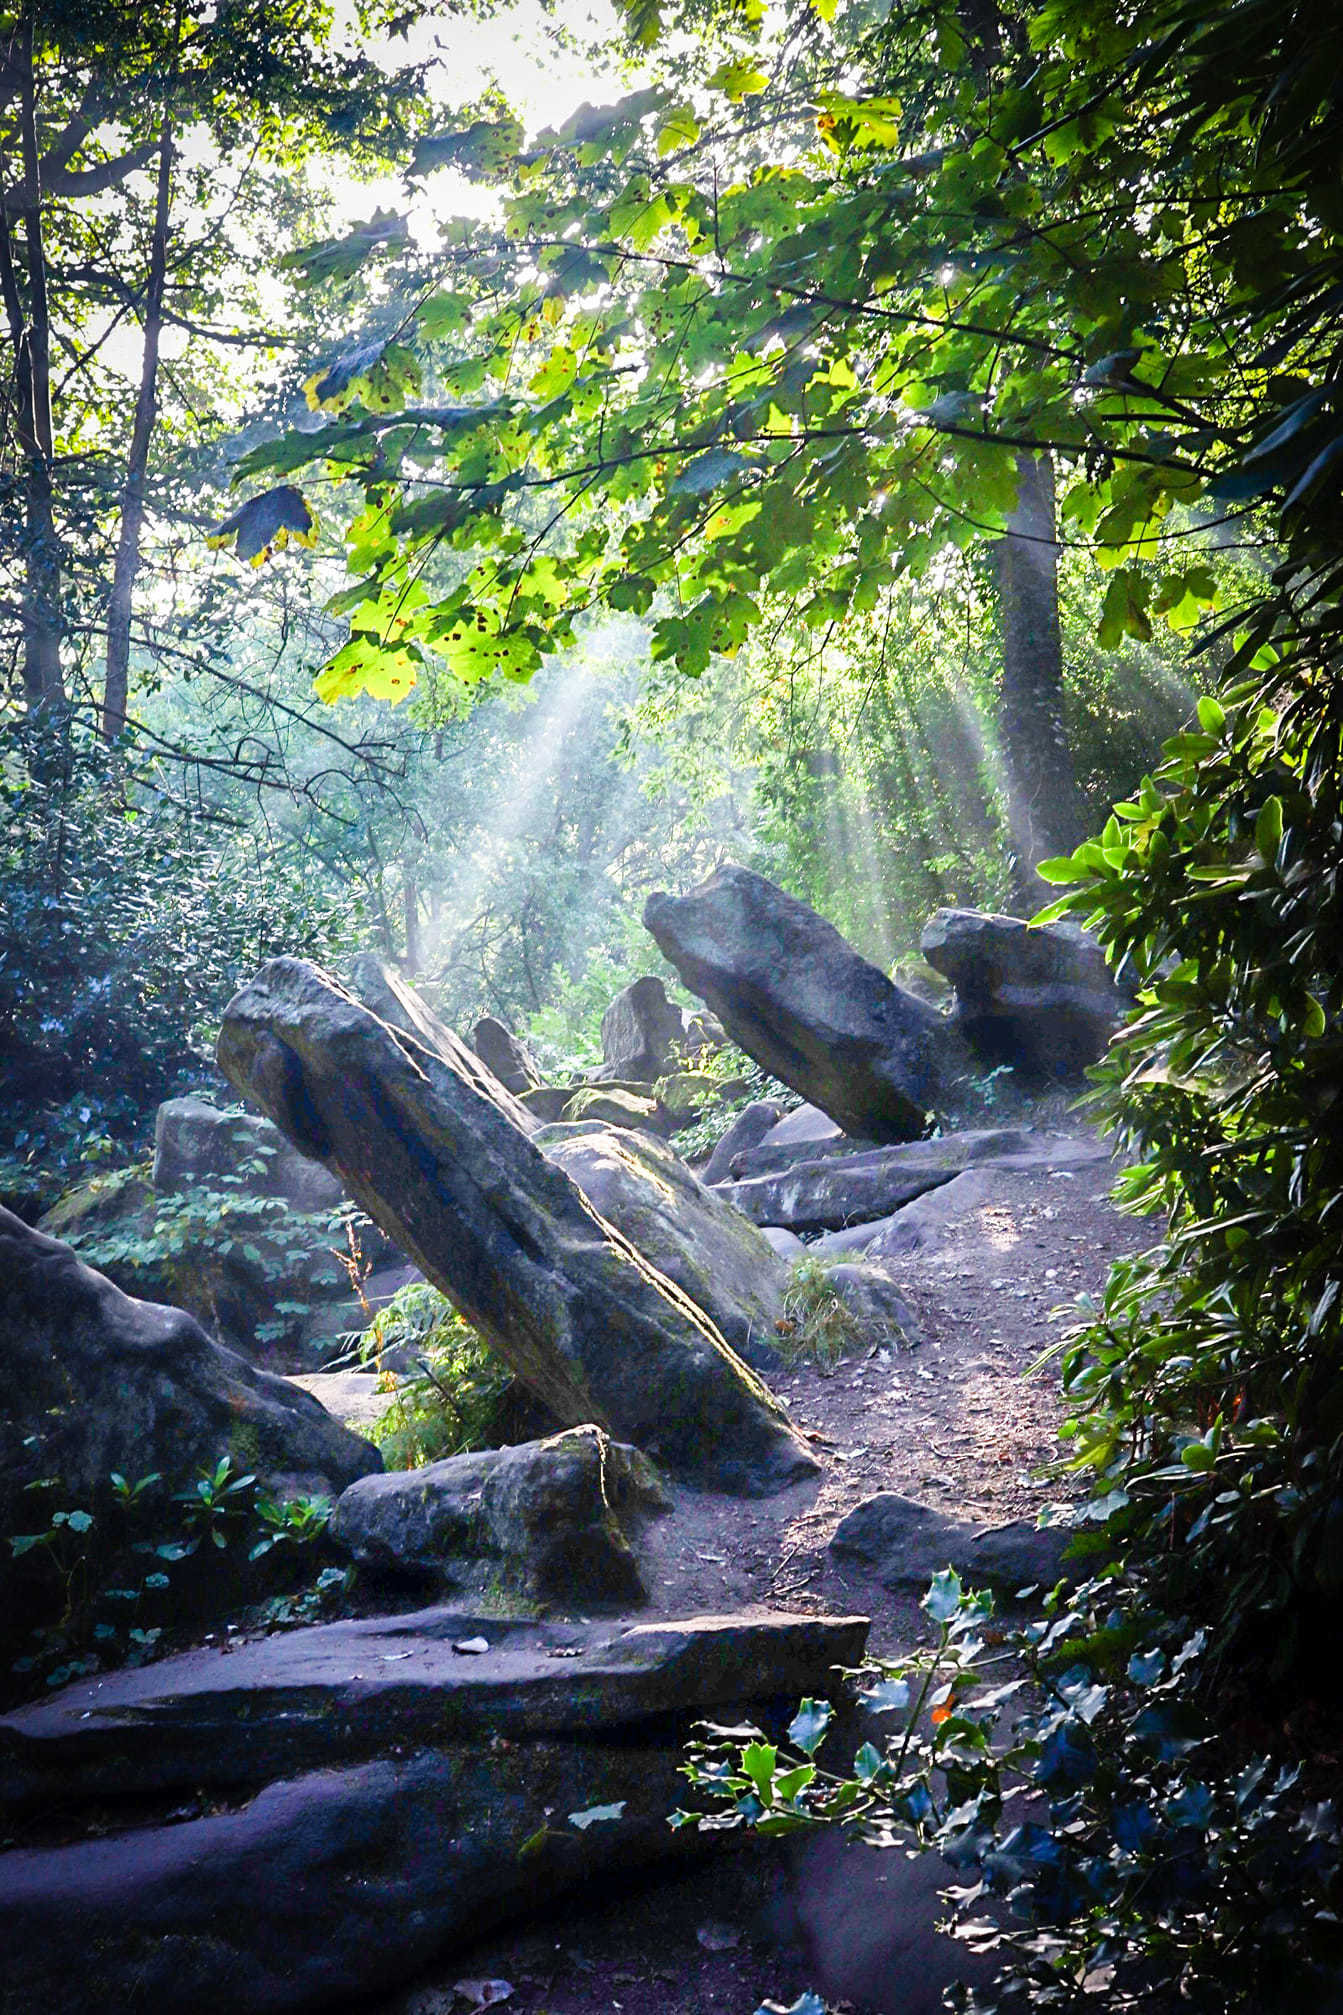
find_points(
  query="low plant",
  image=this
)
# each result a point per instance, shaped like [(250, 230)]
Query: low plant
[(108, 1577), (743, 1082), (454, 1398), (815, 1326)]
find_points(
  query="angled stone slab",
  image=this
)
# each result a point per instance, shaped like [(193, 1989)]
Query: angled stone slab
[(853, 1188), (428, 1144), (904, 1543), (799, 999)]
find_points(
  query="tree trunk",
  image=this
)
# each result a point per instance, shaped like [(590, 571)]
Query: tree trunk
[(116, 686), (1044, 804), (30, 329)]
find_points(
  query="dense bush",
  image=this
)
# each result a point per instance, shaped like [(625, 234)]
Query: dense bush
[(125, 924)]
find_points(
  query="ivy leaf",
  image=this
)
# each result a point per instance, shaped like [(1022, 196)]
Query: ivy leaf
[(267, 523), (597, 1815)]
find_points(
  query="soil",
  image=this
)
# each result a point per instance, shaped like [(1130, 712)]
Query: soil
[(964, 1420)]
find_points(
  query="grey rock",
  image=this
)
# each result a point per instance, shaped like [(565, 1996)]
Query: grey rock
[(380, 1785), (548, 1523), (546, 1103), (97, 1382), (853, 1188), (433, 1152), (873, 1298), (746, 1130), (618, 1105), (786, 1243), (387, 995), (196, 1143), (806, 1134), (640, 1029), (903, 1544), (501, 1052), (1039, 997), (801, 1001), (688, 1232)]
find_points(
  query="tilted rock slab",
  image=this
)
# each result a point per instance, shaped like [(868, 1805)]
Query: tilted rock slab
[(903, 1544), (640, 1029), (430, 1149), (799, 999), (501, 1052), (384, 1787)]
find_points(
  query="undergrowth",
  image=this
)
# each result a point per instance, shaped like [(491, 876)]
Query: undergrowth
[(455, 1396)]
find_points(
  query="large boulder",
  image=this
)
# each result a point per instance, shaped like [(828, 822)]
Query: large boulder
[(546, 1523), (799, 999), (1038, 996), (853, 1188), (501, 1052), (687, 1230), (196, 1143), (805, 1134), (902, 1544), (432, 1150), (96, 1382), (310, 1817), (640, 1030)]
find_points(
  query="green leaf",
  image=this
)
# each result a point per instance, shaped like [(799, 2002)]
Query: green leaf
[(758, 1760), (737, 79), (1211, 715), (267, 523), (708, 472), (1268, 828), (944, 1596), (807, 1729)]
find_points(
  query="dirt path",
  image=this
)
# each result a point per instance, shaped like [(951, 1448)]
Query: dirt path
[(960, 1422)]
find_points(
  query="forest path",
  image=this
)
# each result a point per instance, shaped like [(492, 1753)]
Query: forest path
[(961, 1422)]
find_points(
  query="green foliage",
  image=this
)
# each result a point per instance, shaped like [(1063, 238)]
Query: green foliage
[(125, 926), (1109, 1841), (455, 1397), (741, 1082), (106, 1587)]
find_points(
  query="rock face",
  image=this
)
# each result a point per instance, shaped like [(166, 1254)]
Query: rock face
[(689, 1233), (850, 1189), (1039, 997), (746, 1131), (800, 1000), (196, 1143), (617, 1105), (380, 1786), (96, 1382), (432, 1151), (905, 1543), (805, 1134), (639, 1031), (501, 1052), (549, 1522)]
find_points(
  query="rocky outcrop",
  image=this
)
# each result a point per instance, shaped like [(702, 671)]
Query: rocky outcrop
[(97, 1382), (746, 1131), (1037, 996), (687, 1230), (501, 1052), (432, 1151), (617, 1105), (640, 1030), (802, 1002), (196, 1143), (547, 1523), (903, 1544), (348, 1801), (853, 1188)]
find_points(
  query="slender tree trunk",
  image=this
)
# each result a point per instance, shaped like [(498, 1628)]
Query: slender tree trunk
[(30, 328), (127, 566), (410, 915), (1044, 803)]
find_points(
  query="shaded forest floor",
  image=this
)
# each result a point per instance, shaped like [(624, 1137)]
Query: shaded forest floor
[(962, 1422)]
